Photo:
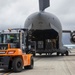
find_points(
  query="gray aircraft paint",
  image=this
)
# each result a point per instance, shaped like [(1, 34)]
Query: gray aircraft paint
[(43, 4)]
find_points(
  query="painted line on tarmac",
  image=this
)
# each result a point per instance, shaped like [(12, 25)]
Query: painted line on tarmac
[(6, 73)]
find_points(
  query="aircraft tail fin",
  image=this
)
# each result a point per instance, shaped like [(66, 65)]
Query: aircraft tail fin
[(43, 4)]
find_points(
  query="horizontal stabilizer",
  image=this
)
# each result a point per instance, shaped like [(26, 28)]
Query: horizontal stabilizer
[(43, 4), (66, 31)]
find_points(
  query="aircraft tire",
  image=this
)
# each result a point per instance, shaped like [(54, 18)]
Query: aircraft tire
[(67, 53), (62, 54), (58, 53), (34, 54), (40, 53)]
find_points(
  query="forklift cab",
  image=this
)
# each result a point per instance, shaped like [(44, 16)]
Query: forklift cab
[(16, 38)]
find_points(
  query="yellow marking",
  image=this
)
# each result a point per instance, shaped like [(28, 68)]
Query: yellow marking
[(6, 73)]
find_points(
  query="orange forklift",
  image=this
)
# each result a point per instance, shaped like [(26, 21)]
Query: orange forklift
[(14, 52)]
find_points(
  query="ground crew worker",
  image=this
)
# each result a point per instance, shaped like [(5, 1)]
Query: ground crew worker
[(54, 43)]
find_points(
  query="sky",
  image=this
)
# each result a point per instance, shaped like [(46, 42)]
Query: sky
[(13, 13)]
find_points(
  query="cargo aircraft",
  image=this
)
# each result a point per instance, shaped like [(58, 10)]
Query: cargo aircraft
[(45, 31)]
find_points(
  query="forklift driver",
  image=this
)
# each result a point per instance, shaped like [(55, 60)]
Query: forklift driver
[(11, 39)]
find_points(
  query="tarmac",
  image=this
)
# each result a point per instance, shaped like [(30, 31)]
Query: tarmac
[(49, 65)]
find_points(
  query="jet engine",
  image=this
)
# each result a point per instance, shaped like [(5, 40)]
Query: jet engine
[(73, 37)]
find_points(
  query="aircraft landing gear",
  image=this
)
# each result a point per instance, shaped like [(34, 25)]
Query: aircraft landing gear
[(67, 53), (62, 54), (58, 53)]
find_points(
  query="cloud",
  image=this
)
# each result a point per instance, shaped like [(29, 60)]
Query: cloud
[(13, 13), (64, 10)]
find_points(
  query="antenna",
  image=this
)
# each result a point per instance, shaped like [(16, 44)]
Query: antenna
[(43, 4)]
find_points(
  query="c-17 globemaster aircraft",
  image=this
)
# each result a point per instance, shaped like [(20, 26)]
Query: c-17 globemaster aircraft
[(45, 31)]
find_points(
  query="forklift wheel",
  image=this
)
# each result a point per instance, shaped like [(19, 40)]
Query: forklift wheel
[(62, 54), (31, 65), (58, 53), (67, 53), (17, 64)]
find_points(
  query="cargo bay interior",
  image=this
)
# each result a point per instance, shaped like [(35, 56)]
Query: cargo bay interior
[(45, 40)]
